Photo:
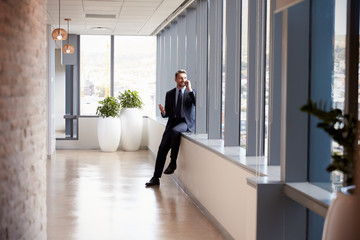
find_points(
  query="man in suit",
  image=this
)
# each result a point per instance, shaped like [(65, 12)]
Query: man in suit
[(180, 109)]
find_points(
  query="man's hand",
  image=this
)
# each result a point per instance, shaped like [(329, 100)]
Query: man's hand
[(188, 85), (162, 109)]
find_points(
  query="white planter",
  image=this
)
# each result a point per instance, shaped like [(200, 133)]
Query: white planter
[(109, 131), (132, 127), (340, 221)]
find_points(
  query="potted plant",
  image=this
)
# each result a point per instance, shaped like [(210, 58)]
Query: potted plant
[(131, 120), (340, 218), (109, 126)]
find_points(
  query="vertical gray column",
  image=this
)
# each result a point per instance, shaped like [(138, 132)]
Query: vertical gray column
[(256, 79), (174, 50), (250, 115), (352, 58), (72, 87), (295, 88), (76, 87), (232, 73), (69, 100), (215, 69), (190, 60), (168, 79), (201, 65), (275, 87), (181, 32)]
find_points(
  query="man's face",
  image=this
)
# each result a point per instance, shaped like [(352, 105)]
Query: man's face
[(181, 80)]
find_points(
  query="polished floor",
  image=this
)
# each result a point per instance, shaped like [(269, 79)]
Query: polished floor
[(97, 195)]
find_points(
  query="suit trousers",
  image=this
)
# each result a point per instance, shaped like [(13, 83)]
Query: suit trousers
[(170, 140)]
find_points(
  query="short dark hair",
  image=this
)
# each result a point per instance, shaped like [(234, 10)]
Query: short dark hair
[(180, 71)]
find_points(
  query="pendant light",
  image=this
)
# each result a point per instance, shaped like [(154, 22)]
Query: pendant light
[(68, 48), (59, 33)]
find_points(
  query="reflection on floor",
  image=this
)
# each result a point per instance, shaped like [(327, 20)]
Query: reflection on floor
[(97, 195)]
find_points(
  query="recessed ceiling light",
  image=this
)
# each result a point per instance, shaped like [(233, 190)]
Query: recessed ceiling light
[(100, 28)]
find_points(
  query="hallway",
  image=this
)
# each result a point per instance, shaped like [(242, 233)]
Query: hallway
[(97, 195)]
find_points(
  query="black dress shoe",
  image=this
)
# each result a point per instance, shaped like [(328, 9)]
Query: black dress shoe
[(170, 169), (154, 181)]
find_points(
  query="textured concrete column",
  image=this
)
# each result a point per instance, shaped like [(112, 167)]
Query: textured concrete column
[(23, 119)]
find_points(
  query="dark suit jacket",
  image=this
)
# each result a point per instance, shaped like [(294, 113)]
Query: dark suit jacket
[(188, 108)]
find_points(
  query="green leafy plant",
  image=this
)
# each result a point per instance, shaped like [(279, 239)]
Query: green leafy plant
[(130, 99), (109, 107), (342, 128)]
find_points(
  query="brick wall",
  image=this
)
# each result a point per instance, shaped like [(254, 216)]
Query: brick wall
[(23, 119)]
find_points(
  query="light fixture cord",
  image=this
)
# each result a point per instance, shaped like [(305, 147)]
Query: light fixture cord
[(68, 34), (59, 15)]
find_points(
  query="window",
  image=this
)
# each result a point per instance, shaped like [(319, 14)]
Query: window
[(328, 37), (338, 92), (94, 72), (244, 77), (223, 74), (134, 68), (267, 75)]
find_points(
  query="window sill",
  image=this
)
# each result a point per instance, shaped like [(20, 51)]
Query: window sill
[(309, 195), (236, 155)]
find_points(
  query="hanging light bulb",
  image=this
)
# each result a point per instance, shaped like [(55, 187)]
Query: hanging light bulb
[(68, 48), (59, 33)]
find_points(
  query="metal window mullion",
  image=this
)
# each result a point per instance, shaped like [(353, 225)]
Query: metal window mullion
[(174, 49), (260, 66), (167, 83), (190, 56), (76, 88), (215, 69), (201, 66), (112, 46), (352, 58), (275, 86), (69, 100), (295, 92), (181, 32), (232, 73), (256, 79)]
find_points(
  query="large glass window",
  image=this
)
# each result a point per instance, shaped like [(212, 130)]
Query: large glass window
[(223, 83), (94, 72), (244, 75), (338, 91), (135, 68), (267, 75), (328, 37)]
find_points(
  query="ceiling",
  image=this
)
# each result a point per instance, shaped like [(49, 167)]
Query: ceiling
[(114, 17)]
